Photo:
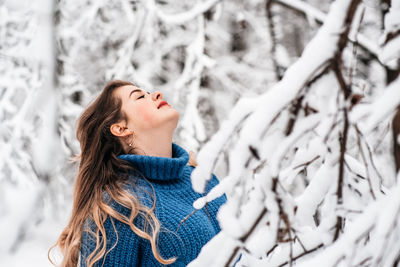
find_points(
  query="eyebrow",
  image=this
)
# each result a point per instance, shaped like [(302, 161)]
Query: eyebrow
[(134, 91)]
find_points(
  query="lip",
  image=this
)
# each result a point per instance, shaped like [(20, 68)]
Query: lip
[(162, 103)]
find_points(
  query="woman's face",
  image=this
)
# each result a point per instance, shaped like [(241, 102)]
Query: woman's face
[(146, 111)]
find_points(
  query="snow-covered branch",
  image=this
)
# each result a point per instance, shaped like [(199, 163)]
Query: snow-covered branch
[(378, 223), (313, 13), (182, 17), (293, 223)]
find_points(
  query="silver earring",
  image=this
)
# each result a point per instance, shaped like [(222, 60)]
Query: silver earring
[(130, 144)]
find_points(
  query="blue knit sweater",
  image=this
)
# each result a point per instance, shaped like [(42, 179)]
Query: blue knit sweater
[(170, 178)]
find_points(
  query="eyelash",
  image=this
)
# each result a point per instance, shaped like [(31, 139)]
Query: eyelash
[(142, 96)]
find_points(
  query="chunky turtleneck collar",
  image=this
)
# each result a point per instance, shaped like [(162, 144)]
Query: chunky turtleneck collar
[(159, 168)]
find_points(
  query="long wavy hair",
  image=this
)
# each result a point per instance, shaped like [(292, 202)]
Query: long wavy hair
[(99, 174)]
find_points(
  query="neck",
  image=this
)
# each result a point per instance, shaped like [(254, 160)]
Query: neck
[(154, 144)]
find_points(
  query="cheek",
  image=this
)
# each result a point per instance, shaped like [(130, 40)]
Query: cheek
[(144, 116)]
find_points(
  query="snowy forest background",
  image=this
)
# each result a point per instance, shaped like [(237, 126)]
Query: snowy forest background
[(293, 104)]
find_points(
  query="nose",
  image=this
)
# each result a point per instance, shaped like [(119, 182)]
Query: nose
[(156, 95)]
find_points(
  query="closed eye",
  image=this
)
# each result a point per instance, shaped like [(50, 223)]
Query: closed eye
[(142, 96)]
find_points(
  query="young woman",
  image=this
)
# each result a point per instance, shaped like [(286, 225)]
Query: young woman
[(133, 197)]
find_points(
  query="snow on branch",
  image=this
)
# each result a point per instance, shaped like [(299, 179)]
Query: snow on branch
[(390, 40), (372, 114), (183, 17), (319, 16), (377, 221), (291, 223), (195, 63), (315, 58)]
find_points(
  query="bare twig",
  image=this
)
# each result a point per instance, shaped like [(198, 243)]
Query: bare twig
[(365, 163), (294, 112), (339, 191), (346, 91), (307, 163), (371, 159), (303, 254), (271, 29), (247, 235)]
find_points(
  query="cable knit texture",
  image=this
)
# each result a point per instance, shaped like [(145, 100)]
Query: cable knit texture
[(170, 178)]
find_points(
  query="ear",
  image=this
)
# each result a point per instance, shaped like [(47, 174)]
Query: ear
[(119, 129)]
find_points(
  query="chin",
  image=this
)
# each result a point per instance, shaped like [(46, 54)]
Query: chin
[(172, 119), (177, 114), (176, 117)]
